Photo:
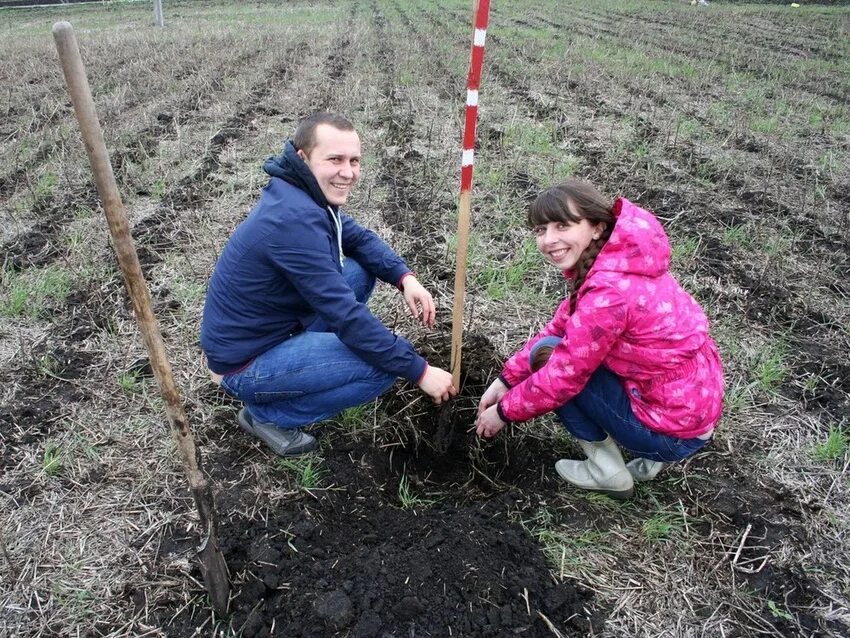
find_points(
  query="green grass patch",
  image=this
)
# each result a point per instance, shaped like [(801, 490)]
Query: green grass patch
[(661, 526), (835, 447), (28, 293), (503, 281), (51, 462), (408, 499), (129, 382), (770, 365), (306, 470), (684, 250)]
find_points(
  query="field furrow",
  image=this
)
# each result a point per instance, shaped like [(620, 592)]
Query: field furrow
[(730, 121)]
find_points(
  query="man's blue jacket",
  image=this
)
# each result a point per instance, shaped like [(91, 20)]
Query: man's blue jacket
[(281, 270)]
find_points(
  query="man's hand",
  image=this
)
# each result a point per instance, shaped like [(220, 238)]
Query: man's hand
[(419, 301), (488, 423), (437, 384), (492, 395)]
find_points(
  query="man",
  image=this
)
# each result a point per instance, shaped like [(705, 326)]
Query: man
[(285, 327)]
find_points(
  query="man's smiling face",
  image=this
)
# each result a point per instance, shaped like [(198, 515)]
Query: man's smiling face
[(334, 162)]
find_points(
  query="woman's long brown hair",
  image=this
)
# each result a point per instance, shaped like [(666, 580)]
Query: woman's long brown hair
[(569, 203)]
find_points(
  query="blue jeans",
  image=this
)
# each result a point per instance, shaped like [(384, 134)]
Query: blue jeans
[(603, 408), (311, 376)]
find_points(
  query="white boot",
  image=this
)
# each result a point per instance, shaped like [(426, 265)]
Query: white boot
[(603, 471), (643, 469)]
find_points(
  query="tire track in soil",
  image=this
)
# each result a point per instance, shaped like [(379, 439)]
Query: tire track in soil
[(520, 184), (771, 522), (37, 246), (778, 157), (836, 243), (418, 214), (588, 28), (707, 32), (596, 23)]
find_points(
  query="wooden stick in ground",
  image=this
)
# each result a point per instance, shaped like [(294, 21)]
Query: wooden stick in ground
[(476, 63), (460, 283), (212, 562)]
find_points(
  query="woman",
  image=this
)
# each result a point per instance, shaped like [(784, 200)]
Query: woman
[(631, 359)]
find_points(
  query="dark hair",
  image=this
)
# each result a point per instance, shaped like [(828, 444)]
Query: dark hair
[(305, 134), (570, 202)]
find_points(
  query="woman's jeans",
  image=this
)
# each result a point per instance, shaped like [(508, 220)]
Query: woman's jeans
[(603, 408), (311, 376)]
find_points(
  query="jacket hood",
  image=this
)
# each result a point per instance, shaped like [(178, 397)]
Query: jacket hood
[(638, 245), (291, 168)]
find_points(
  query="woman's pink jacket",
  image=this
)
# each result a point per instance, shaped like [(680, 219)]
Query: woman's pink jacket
[(634, 318)]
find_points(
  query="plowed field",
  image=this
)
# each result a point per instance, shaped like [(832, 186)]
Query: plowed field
[(730, 121)]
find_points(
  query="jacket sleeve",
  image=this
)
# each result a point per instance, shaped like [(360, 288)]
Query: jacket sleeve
[(371, 252), (599, 320), (304, 256), (518, 367)]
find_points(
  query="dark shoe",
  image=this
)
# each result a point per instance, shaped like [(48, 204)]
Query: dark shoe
[(281, 441)]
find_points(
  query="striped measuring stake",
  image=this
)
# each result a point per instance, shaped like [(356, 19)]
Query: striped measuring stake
[(473, 82)]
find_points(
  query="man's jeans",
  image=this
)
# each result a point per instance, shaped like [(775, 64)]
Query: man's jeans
[(311, 376), (603, 408)]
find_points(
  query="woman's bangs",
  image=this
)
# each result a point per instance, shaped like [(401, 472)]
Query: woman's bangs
[(551, 206)]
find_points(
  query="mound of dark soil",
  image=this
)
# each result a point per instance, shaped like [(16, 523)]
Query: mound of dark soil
[(400, 540), (354, 564)]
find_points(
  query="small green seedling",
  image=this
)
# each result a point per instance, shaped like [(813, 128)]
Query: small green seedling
[(52, 462), (660, 526), (777, 612), (308, 474), (835, 447), (407, 498), (129, 381)]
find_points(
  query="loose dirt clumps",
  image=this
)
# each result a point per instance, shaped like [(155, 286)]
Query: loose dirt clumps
[(406, 539), (356, 562)]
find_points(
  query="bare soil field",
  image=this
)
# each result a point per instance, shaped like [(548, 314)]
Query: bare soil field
[(730, 121)]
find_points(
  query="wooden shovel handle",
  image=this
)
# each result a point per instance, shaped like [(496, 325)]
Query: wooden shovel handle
[(212, 562)]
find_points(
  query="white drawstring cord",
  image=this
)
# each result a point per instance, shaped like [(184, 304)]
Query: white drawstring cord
[(338, 224)]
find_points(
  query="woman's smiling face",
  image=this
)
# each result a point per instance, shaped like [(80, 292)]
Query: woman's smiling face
[(563, 243)]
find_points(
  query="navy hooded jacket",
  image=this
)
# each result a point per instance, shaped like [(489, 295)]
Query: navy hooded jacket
[(281, 270)]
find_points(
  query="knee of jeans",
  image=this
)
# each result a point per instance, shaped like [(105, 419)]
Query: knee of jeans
[(362, 282), (228, 386), (545, 342)]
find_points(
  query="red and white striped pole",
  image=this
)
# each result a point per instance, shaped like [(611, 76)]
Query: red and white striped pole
[(476, 62)]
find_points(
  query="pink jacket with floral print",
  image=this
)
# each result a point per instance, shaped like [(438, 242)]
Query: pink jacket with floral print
[(634, 318)]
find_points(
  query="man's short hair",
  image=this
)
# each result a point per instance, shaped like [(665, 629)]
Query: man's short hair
[(305, 133)]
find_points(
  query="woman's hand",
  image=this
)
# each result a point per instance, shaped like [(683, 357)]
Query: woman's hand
[(492, 395), (419, 301), (488, 423)]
